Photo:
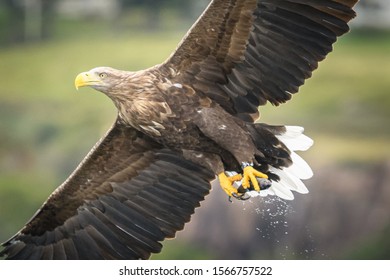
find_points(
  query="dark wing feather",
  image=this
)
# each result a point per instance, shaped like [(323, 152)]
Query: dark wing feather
[(127, 196), (243, 53)]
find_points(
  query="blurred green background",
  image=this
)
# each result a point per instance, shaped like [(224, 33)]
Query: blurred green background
[(46, 127)]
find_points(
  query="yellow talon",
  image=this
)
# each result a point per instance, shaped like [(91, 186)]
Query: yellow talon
[(227, 183), (250, 175)]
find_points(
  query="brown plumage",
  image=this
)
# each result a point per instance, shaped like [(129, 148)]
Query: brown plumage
[(181, 123)]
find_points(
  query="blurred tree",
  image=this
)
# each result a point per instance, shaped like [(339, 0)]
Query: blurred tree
[(370, 4), (11, 27), (373, 14), (153, 8), (25, 20)]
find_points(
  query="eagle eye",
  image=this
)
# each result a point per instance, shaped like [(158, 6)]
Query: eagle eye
[(102, 75)]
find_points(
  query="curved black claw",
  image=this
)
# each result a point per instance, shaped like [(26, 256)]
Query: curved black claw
[(241, 196)]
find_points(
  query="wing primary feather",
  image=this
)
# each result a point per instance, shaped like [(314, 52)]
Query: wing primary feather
[(70, 249), (165, 219), (47, 252), (86, 248), (132, 220), (106, 249), (59, 251), (24, 251), (117, 238), (138, 231), (38, 253)]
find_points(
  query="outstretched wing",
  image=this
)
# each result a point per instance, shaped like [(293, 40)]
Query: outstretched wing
[(243, 53), (124, 198)]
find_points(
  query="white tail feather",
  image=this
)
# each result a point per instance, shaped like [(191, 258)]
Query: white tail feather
[(300, 168), (296, 183), (290, 177), (282, 190), (294, 139), (291, 181)]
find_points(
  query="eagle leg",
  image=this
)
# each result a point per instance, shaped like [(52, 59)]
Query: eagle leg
[(250, 175), (226, 184)]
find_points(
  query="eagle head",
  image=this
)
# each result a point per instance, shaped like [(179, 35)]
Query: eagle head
[(103, 79)]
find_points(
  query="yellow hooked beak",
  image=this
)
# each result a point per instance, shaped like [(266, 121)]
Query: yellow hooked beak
[(86, 79)]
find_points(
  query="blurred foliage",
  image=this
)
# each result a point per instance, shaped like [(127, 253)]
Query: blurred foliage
[(24, 21), (376, 248), (30, 21), (47, 127)]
